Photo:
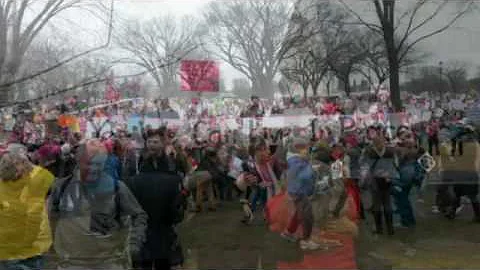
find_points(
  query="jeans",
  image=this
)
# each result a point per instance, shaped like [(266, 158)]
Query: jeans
[(456, 143), (433, 142), (404, 206), (204, 185), (33, 263), (381, 200), (303, 215), (321, 210), (260, 193)]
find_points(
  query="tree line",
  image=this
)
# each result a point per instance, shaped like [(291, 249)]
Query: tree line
[(276, 45)]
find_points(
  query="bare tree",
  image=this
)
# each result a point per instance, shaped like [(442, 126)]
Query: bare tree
[(251, 37), (298, 72), (156, 41), (403, 32), (19, 26), (374, 67), (457, 76), (285, 87), (46, 53), (241, 87), (344, 53), (320, 50)]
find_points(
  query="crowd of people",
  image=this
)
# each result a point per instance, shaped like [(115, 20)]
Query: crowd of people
[(114, 202)]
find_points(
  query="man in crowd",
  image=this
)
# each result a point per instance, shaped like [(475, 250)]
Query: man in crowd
[(88, 212), (158, 189)]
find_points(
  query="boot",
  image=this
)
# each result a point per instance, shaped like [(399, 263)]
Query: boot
[(389, 223), (377, 215)]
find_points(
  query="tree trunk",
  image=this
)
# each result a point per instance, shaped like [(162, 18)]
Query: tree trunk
[(328, 87), (4, 96), (263, 87), (395, 85), (315, 89), (388, 22)]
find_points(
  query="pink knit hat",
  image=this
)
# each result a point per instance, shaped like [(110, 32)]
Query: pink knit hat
[(352, 140)]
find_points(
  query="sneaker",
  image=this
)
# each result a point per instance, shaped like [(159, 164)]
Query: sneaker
[(435, 209), (248, 219), (289, 237), (459, 209), (309, 245)]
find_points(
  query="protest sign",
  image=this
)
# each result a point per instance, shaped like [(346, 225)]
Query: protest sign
[(133, 122), (199, 76)]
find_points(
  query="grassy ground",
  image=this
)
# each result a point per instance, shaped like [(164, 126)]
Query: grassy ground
[(435, 243), (219, 241)]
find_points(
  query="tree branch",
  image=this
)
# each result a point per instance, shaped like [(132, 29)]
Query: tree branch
[(371, 26), (436, 32), (68, 60)]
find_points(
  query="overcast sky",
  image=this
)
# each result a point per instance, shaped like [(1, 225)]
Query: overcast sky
[(460, 43)]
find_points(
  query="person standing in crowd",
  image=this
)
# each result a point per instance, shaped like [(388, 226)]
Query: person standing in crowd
[(25, 235), (354, 152), (88, 213), (154, 157), (166, 112), (321, 161), (461, 173), (206, 177), (379, 170), (267, 181), (300, 187), (433, 129), (161, 195), (411, 174), (340, 172), (457, 145)]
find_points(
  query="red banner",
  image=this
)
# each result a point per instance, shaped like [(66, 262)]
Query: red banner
[(199, 76)]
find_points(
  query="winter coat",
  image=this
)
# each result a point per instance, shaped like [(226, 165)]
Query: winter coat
[(300, 177), (90, 229), (160, 195)]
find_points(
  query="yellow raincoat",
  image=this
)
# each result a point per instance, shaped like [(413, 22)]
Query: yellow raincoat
[(24, 226)]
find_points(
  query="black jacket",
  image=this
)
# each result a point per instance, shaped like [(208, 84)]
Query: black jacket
[(160, 195)]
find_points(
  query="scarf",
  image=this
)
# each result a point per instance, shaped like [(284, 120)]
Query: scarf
[(266, 173)]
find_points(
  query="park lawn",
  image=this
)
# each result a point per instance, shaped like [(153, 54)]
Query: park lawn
[(218, 241)]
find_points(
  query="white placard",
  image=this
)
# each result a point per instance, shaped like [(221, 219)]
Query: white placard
[(98, 122)]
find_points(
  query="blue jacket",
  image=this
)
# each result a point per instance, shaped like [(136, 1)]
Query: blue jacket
[(300, 177), (113, 167)]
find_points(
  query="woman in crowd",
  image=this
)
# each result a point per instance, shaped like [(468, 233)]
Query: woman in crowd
[(379, 170), (267, 182), (25, 235), (411, 174)]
